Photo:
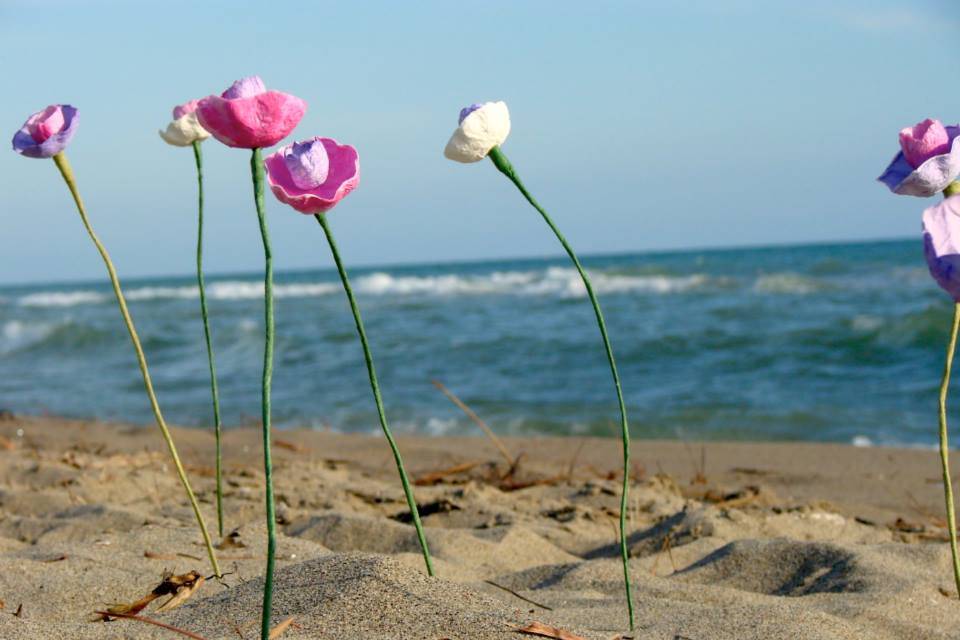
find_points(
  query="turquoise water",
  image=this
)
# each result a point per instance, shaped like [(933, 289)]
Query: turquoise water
[(841, 343)]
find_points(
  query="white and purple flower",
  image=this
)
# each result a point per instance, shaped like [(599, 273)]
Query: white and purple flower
[(185, 128), (482, 127)]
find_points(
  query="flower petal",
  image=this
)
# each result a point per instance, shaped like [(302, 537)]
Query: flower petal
[(941, 244)]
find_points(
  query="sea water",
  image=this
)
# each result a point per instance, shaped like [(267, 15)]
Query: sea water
[(830, 343)]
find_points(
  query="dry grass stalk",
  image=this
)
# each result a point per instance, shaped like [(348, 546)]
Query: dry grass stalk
[(278, 630), (476, 420), (435, 477), (546, 631), (514, 593), (129, 616)]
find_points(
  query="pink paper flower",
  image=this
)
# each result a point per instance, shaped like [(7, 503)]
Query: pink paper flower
[(314, 175), (923, 141), (928, 162), (248, 116), (46, 133)]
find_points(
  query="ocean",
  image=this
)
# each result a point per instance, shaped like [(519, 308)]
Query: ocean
[(839, 343)]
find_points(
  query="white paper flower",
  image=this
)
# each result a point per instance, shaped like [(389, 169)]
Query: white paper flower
[(184, 131), (482, 127)]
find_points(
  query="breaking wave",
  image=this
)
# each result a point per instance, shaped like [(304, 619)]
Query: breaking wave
[(558, 281)]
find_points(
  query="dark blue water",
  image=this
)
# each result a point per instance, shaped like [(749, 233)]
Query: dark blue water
[(841, 343)]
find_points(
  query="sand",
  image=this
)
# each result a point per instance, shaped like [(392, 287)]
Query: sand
[(727, 540)]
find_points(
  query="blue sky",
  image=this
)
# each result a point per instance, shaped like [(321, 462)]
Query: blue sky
[(639, 125)]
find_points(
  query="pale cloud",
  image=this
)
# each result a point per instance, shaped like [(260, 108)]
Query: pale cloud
[(897, 19)]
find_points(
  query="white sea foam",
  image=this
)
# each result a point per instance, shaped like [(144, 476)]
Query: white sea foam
[(865, 322), (16, 334), (861, 441), (557, 281), (560, 281), (788, 283), (61, 298)]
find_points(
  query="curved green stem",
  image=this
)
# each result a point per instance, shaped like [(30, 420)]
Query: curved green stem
[(67, 172), (256, 168), (502, 164), (945, 449), (372, 374), (217, 425)]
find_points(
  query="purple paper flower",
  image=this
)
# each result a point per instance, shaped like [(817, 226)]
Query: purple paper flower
[(314, 175), (46, 133), (928, 162), (941, 244)]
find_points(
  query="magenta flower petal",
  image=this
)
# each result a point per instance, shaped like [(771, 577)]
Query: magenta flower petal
[(48, 132), (254, 118), (931, 177), (941, 244), (342, 174)]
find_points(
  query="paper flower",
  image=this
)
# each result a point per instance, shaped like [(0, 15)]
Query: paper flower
[(941, 244), (185, 129), (928, 162), (314, 175), (46, 133), (482, 127), (248, 116)]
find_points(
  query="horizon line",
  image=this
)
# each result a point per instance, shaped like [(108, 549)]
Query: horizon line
[(480, 261)]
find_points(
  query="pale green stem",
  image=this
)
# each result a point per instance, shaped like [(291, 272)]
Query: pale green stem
[(217, 425), (67, 172), (374, 385), (256, 168), (945, 449), (503, 164), (952, 189)]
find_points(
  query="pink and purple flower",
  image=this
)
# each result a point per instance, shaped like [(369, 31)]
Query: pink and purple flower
[(46, 133), (929, 160), (314, 175), (248, 116)]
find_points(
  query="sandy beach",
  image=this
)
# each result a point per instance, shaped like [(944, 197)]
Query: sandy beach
[(727, 540)]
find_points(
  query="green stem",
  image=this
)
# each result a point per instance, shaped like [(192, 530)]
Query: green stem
[(67, 172), (217, 425), (504, 166), (256, 168), (952, 189), (372, 374), (944, 447)]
